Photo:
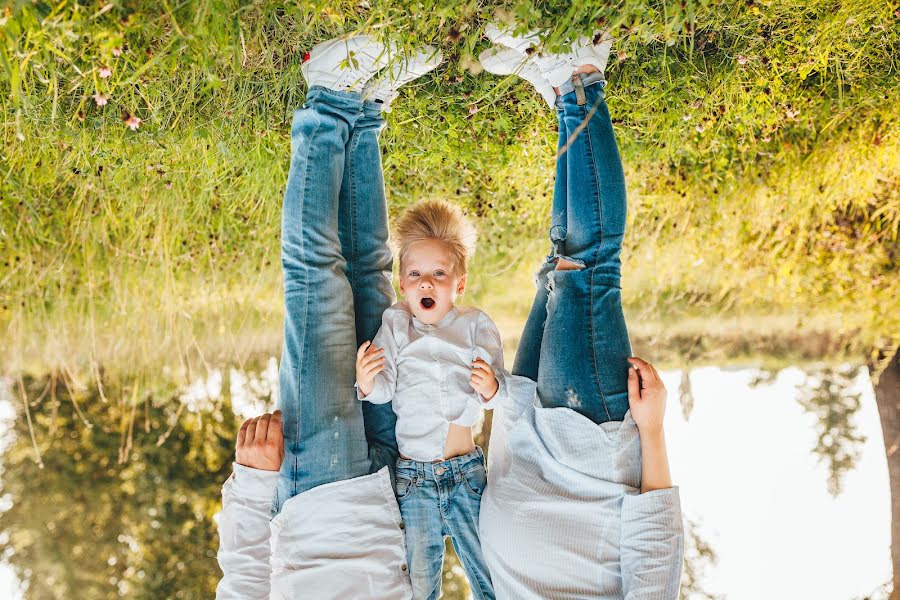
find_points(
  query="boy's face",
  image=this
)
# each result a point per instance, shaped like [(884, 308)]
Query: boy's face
[(429, 282)]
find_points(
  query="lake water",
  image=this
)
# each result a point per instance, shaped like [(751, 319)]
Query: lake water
[(753, 490)]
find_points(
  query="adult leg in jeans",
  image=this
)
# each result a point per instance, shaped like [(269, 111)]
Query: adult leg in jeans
[(585, 342), (363, 231), (529, 351), (322, 419)]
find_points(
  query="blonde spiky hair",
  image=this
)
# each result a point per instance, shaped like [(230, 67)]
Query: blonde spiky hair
[(436, 220)]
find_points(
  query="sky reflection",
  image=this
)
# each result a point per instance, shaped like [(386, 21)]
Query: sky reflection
[(749, 479)]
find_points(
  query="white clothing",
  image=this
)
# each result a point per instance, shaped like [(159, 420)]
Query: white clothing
[(562, 516), (426, 375), (336, 541), (560, 519)]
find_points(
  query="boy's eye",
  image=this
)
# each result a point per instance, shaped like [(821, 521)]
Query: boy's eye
[(413, 273), (439, 273)]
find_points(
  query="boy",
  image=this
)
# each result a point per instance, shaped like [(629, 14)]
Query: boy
[(439, 365)]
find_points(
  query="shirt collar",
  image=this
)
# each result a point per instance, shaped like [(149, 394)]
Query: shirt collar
[(446, 320)]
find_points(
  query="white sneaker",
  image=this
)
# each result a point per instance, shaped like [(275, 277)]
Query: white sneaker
[(503, 36), (344, 64), (556, 68), (402, 70), (507, 61)]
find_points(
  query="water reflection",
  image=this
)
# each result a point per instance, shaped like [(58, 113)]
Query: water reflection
[(783, 477), (757, 479)]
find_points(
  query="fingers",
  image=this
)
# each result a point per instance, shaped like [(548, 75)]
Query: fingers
[(480, 364), (647, 371), (372, 368), (372, 355), (251, 431), (362, 350), (242, 433), (266, 426), (634, 385), (275, 432), (262, 426)]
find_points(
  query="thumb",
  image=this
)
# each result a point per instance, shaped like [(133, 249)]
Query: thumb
[(634, 386)]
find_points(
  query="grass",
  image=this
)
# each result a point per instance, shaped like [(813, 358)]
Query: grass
[(760, 140)]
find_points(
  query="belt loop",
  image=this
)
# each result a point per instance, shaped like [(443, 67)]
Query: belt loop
[(579, 90)]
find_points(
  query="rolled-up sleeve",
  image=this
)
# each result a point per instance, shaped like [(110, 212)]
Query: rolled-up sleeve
[(652, 545), (245, 534)]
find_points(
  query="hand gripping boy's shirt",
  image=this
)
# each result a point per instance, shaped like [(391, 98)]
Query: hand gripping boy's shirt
[(426, 375)]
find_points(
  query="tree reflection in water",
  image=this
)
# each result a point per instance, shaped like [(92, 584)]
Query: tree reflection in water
[(85, 526), (825, 394)]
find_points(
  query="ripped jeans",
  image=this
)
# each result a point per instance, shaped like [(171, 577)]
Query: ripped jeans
[(575, 343)]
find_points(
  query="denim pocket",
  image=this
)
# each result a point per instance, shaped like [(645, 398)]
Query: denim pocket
[(475, 480), (405, 486)]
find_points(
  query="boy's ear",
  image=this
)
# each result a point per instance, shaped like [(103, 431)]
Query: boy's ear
[(461, 286), (402, 290)]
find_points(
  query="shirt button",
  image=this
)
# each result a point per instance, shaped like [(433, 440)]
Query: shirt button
[(402, 525), (404, 568)]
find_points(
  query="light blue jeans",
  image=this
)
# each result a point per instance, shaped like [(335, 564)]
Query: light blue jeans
[(438, 500), (575, 343), (337, 282)]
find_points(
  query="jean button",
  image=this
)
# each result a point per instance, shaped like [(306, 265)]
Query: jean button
[(440, 471)]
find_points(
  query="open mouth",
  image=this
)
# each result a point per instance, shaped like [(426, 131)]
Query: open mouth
[(427, 303)]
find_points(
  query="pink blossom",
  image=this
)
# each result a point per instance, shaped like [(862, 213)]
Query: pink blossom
[(100, 99), (105, 72), (133, 122), (742, 60), (168, 185), (117, 52)]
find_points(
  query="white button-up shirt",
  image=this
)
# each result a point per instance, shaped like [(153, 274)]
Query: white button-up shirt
[(426, 375), (336, 541)]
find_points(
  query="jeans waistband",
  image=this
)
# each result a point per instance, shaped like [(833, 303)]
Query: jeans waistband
[(455, 466), (587, 80)]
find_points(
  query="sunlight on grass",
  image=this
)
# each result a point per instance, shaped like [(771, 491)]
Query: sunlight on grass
[(760, 142)]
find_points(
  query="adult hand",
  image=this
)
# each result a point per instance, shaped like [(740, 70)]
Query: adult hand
[(483, 379), (646, 396), (260, 442), (369, 363)]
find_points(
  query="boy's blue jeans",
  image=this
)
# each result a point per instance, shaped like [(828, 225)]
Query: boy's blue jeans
[(575, 343), (439, 499)]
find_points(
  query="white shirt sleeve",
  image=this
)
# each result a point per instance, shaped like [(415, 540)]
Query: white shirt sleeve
[(385, 381), (489, 347), (244, 534), (652, 545)]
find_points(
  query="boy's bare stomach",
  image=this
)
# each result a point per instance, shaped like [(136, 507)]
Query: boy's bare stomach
[(459, 442)]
